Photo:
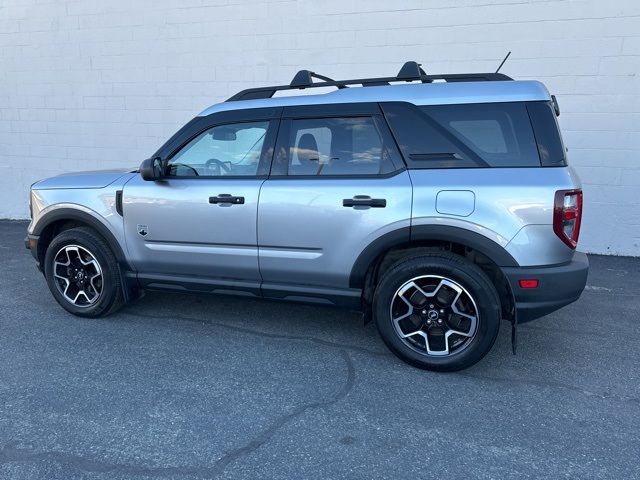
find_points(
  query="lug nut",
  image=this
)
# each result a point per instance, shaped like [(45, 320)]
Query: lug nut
[(430, 305), (424, 312), (439, 320)]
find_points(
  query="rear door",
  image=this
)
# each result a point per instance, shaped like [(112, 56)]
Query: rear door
[(337, 184)]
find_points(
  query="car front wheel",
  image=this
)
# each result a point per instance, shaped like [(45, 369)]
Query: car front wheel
[(82, 273)]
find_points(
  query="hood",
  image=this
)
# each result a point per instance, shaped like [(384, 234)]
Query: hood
[(91, 179)]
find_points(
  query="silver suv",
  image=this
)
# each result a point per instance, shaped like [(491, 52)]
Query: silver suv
[(435, 204)]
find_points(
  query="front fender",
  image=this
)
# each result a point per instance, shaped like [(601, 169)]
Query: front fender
[(63, 212)]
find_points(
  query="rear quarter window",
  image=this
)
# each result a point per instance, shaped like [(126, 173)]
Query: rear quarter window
[(507, 134), (499, 133)]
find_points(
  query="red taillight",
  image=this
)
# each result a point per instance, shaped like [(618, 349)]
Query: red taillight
[(528, 283), (567, 214)]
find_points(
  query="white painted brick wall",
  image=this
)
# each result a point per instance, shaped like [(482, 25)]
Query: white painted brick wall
[(96, 84)]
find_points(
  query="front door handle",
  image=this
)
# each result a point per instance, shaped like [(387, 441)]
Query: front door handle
[(226, 198), (364, 201)]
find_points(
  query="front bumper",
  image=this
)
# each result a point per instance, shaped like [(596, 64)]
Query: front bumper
[(31, 243), (558, 285)]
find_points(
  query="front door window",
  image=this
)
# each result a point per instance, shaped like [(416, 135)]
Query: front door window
[(224, 150)]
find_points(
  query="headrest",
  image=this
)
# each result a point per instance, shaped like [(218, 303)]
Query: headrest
[(307, 149)]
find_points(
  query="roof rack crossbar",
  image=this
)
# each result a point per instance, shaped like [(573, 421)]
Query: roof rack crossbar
[(304, 79), (410, 71)]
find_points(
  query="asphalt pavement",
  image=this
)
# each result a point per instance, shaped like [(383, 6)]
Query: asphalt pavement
[(188, 387)]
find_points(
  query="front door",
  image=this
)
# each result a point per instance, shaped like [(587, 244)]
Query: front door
[(196, 228)]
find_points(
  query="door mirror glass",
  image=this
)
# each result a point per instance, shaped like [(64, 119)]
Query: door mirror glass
[(151, 169)]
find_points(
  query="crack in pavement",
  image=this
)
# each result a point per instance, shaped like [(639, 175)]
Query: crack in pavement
[(540, 383), (10, 453), (536, 383), (267, 434), (260, 333), (554, 329)]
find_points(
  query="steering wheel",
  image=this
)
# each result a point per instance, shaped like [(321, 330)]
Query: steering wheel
[(220, 166)]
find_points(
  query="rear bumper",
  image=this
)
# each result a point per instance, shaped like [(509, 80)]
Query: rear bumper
[(558, 285)]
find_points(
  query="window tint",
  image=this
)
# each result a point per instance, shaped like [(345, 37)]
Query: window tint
[(545, 125), (338, 146), (312, 148), (487, 135), (225, 150), (499, 133), (424, 142)]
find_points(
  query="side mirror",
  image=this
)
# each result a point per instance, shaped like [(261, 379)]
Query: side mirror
[(151, 169)]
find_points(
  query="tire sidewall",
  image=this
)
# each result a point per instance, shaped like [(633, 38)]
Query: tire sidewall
[(465, 274), (104, 257)]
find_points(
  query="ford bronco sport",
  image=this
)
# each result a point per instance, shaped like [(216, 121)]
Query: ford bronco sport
[(435, 204)]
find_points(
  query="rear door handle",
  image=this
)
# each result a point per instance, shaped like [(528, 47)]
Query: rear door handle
[(226, 198), (364, 201)]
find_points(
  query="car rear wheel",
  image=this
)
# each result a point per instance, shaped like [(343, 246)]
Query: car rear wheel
[(82, 273), (437, 312)]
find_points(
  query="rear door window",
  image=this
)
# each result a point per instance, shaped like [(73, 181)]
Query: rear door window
[(338, 147)]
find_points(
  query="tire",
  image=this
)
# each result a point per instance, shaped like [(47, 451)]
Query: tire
[(85, 251), (413, 289)]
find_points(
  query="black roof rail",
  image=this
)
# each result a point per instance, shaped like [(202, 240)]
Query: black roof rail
[(410, 71)]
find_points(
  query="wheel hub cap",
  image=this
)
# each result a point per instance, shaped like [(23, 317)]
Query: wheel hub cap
[(434, 315), (77, 275)]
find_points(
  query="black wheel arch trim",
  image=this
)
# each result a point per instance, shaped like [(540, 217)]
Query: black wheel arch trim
[(62, 214), (406, 235), (130, 286)]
